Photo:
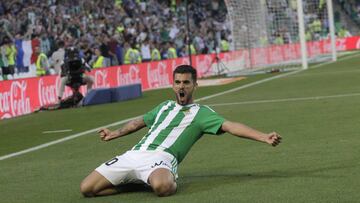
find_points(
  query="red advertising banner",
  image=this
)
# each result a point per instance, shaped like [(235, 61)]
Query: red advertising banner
[(22, 96)]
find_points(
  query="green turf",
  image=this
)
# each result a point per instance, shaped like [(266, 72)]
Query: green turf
[(318, 161)]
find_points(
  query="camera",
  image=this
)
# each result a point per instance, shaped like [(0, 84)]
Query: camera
[(73, 68), (72, 75)]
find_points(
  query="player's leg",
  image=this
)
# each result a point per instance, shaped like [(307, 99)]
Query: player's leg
[(162, 182), (106, 178), (62, 87), (96, 185), (89, 80)]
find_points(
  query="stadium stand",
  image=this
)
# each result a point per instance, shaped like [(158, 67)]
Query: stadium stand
[(103, 24), (127, 31), (314, 16), (349, 11)]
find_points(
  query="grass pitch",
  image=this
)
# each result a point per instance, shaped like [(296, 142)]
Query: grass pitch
[(316, 111)]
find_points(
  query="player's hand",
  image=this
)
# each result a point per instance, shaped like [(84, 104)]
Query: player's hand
[(105, 134), (273, 139)]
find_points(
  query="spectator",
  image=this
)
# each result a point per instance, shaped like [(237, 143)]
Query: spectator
[(99, 60), (87, 52), (279, 40), (42, 63), (105, 49), (224, 46), (171, 51), (128, 52), (145, 51), (113, 45), (155, 53), (57, 58), (119, 51), (136, 56), (343, 33), (192, 48), (35, 43)]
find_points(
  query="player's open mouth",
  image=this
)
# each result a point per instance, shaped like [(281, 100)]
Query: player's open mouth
[(182, 94)]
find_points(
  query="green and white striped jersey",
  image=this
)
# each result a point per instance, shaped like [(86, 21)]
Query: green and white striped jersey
[(174, 128)]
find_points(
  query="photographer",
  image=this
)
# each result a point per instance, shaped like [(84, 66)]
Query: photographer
[(73, 74)]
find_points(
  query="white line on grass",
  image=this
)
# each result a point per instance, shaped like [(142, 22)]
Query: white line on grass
[(126, 120), (57, 131), (272, 78), (62, 139), (287, 99)]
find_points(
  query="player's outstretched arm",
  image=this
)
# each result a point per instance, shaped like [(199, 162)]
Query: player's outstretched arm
[(130, 127), (241, 130)]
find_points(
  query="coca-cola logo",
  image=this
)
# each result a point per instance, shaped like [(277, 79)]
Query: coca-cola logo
[(185, 60), (158, 77), (315, 49), (341, 44), (203, 65), (289, 52), (174, 64), (15, 102), (47, 93), (239, 61), (327, 46), (130, 77), (101, 79), (358, 43), (276, 55), (228, 56), (258, 57), (245, 58)]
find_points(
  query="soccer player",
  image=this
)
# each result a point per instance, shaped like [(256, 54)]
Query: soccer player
[(174, 126)]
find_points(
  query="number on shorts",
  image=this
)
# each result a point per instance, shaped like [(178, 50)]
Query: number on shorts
[(112, 161)]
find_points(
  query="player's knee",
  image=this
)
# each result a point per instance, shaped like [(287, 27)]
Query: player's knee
[(163, 189), (86, 189)]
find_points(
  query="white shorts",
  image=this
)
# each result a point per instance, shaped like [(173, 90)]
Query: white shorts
[(136, 166)]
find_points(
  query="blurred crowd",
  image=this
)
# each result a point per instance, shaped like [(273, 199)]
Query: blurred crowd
[(107, 32), (282, 13), (36, 33), (352, 8)]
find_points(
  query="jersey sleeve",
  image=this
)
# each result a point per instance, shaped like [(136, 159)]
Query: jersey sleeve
[(211, 122), (149, 117)]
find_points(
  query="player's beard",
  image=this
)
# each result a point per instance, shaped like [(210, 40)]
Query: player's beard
[(183, 98)]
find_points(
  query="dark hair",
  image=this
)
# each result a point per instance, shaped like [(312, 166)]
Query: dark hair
[(186, 69), (6, 40), (72, 53), (61, 44)]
